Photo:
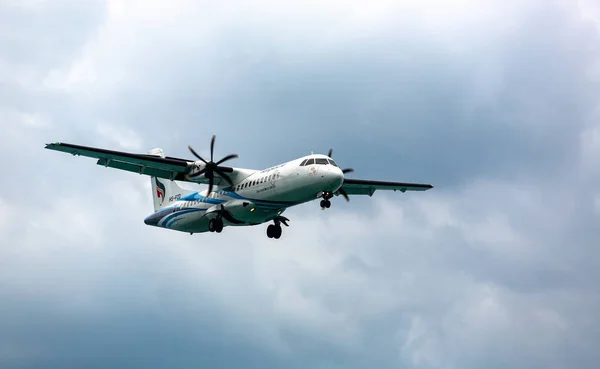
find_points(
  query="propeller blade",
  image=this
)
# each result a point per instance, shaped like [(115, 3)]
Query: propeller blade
[(212, 147), (330, 152), (225, 176), (228, 157), (228, 216), (196, 155), (210, 186), (347, 170), (343, 192), (198, 174)]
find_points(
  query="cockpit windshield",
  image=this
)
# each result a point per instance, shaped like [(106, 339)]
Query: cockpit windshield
[(319, 161)]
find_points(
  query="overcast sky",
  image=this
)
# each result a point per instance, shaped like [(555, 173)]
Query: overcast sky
[(494, 102)]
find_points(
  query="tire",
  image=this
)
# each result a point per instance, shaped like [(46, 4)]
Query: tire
[(277, 231), (270, 230)]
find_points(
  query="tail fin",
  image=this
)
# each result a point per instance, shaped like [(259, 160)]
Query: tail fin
[(164, 191)]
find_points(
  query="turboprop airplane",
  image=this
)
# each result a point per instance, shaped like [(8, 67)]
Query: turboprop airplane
[(235, 196)]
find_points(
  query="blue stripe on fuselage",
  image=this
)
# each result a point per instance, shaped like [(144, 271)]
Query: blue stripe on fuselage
[(170, 219), (261, 203)]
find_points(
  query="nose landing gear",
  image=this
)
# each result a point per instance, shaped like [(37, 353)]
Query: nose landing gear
[(325, 203)]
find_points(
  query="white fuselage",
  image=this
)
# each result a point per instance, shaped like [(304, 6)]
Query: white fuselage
[(255, 198)]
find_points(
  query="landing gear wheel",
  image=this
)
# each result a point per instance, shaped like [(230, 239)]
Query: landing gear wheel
[(219, 226), (325, 204), (277, 232), (215, 225), (274, 231)]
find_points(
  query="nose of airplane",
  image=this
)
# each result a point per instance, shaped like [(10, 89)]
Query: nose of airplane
[(336, 178)]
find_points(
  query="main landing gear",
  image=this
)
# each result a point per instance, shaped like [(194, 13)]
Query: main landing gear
[(215, 225), (274, 230)]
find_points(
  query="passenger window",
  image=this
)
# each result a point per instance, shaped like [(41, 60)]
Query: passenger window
[(310, 161), (322, 161)]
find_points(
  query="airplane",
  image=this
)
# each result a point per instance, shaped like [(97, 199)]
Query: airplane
[(235, 196)]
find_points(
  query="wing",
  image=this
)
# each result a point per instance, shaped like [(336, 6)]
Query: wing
[(151, 165), (367, 187)]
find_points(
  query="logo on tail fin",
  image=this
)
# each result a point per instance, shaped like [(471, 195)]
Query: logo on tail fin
[(160, 190)]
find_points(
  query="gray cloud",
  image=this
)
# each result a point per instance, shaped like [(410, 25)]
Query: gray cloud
[(495, 266)]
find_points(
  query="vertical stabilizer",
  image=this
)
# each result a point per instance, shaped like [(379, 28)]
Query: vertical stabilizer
[(164, 191)]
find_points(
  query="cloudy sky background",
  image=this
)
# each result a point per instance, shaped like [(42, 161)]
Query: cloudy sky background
[(494, 102)]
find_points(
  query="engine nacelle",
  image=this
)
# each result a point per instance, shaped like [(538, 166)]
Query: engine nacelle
[(194, 169)]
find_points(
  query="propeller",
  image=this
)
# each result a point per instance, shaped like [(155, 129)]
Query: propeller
[(347, 170), (211, 167)]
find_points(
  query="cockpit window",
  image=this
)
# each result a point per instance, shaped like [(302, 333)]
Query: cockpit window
[(322, 161), (332, 163), (303, 162), (310, 162)]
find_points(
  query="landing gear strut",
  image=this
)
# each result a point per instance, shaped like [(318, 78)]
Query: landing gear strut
[(215, 225)]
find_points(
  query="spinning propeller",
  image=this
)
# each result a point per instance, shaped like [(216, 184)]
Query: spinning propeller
[(347, 170), (211, 167)]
